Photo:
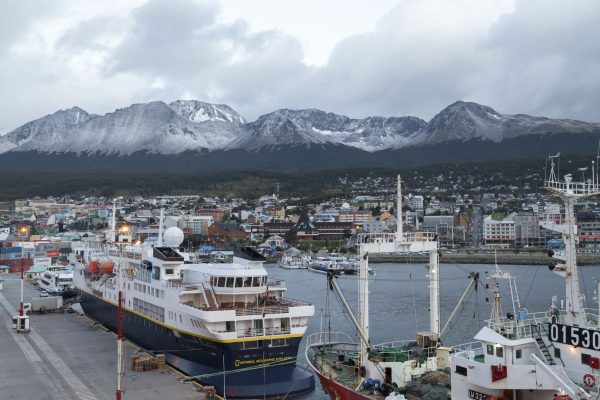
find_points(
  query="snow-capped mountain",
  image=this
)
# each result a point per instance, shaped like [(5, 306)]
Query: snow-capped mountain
[(186, 125), (293, 127), (199, 111), (467, 121), (44, 129), (153, 127)]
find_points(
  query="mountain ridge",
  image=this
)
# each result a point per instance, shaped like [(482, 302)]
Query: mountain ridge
[(191, 125)]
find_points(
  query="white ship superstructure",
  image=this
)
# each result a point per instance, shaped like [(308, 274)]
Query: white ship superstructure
[(544, 355)]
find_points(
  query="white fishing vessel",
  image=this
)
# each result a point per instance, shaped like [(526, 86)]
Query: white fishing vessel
[(548, 355), (226, 325), (349, 369)]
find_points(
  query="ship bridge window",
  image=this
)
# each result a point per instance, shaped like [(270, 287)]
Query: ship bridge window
[(256, 281), (264, 280), (229, 282), (239, 282), (499, 351), (248, 281), (490, 350), (221, 281)]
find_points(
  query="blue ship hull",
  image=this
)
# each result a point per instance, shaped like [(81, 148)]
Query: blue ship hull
[(245, 376)]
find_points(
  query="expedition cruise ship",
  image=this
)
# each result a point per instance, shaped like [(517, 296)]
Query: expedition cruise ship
[(225, 325)]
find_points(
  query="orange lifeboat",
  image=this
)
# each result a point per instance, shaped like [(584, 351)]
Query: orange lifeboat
[(93, 267), (106, 267)]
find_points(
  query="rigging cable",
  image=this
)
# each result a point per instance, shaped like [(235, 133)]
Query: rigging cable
[(531, 285)]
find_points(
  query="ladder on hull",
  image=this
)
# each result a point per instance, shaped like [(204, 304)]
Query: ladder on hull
[(537, 335)]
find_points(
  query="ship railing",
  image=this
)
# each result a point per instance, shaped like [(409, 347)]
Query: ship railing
[(574, 188), (391, 237), (284, 301), (322, 338), (173, 283), (262, 332), (261, 310), (470, 353), (466, 347), (276, 283), (393, 345), (509, 327), (190, 288)]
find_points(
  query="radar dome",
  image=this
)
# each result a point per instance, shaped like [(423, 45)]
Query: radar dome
[(173, 237)]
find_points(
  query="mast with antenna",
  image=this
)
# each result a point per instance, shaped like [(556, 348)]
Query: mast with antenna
[(569, 192)]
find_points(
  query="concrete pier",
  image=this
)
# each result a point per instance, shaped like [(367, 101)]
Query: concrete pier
[(67, 356)]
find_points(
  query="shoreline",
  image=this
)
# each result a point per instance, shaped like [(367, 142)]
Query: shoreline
[(479, 258)]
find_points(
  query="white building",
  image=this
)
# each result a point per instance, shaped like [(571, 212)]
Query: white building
[(197, 224), (499, 233), (415, 202)]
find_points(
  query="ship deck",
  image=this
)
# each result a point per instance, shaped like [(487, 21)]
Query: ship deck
[(66, 356)]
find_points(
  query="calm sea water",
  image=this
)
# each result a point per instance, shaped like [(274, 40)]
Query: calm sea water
[(399, 298)]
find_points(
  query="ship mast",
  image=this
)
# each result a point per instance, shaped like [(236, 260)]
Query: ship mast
[(396, 243), (569, 192)]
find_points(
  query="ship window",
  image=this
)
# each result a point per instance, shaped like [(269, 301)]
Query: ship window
[(229, 282), (169, 271), (221, 281), (461, 370), (490, 350), (248, 282), (585, 358), (499, 351), (278, 342), (264, 280), (230, 326), (253, 344), (256, 282), (556, 353), (518, 353), (239, 282)]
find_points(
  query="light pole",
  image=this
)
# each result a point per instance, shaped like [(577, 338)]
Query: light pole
[(124, 229), (23, 231)]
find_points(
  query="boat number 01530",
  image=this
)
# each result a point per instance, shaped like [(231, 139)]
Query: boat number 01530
[(574, 336)]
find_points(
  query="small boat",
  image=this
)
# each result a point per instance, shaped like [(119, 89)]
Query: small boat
[(56, 280), (294, 259)]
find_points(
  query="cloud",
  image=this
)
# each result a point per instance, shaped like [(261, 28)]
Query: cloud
[(531, 56)]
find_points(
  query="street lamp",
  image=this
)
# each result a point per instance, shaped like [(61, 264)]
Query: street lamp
[(123, 229)]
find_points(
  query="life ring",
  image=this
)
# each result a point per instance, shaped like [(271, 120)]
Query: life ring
[(589, 380)]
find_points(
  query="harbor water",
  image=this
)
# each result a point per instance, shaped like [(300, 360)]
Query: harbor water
[(399, 299)]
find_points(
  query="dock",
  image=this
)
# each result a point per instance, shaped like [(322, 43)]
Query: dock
[(67, 356)]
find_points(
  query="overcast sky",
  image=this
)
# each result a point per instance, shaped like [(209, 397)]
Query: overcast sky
[(358, 58)]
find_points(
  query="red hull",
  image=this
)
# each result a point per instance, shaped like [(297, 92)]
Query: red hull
[(337, 391)]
